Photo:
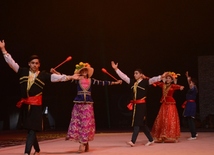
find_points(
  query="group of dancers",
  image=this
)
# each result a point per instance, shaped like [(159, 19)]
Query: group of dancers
[(166, 127), (81, 129)]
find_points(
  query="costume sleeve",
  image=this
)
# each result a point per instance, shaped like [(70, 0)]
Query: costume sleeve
[(123, 76), (8, 58), (59, 78), (176, 87), (154, 79), (100, 82), (160, 84)]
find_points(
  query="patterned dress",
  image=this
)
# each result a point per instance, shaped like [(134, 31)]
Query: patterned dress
[(82, 123), (166, 127)]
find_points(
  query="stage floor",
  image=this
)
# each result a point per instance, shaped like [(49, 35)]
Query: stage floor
[(114, 144)]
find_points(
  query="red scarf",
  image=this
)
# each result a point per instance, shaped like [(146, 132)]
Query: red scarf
[(33, 100), (140, 101), (185, 102)]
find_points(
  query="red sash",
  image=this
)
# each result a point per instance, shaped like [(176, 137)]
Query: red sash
[(140, 101), (33, 100), (185, 102)]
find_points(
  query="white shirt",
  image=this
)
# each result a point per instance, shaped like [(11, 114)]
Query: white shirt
[(125, 78), (54, 77)]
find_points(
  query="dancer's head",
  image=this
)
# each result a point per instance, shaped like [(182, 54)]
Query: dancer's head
[(34, 63)]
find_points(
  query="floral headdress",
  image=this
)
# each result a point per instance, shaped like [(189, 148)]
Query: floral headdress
[(83, 65), (173, 75)]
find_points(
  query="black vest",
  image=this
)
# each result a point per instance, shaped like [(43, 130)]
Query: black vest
[(37, 86), (141, 89)]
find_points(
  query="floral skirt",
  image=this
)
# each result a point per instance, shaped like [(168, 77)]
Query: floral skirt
[(166, 127), (82, 124)]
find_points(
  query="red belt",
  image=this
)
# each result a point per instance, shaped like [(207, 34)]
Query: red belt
[(185, 102), (33, 100), (140, 101)]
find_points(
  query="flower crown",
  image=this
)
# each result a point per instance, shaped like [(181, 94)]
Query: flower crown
[(173, 74), (82, 65)]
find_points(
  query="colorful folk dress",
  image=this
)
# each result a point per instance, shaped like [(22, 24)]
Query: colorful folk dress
[(166, 127), (82, 123)]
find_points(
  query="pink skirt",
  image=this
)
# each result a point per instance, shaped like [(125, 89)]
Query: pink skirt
[(82, 124)]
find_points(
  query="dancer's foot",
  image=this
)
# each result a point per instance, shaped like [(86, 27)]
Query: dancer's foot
[(192, 138), (149, 143), (81, 148), (130, 143), (86, 147)]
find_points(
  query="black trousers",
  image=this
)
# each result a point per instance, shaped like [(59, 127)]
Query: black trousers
[(137, 130), (31, 141), (191, 124)]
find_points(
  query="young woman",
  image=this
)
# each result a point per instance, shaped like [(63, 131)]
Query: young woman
[(166, 127), (82, 124)]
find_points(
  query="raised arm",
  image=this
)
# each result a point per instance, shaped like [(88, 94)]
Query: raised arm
[(62, 77), (123, 76), (157, 78), (154, 79), (116, 82), (188, 77), (2, 46), (8, 57)]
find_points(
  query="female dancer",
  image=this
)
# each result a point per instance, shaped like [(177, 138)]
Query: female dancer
[(166, 127), (82, 124)]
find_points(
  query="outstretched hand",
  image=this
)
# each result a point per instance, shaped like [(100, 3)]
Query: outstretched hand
[(144, 76), (188, 77), (2, 46), (182, 87), (187, 74), (53, 71), (76, 77), (117, 82), (164, 75), (114, 65)]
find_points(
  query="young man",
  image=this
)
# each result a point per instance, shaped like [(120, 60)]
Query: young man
[(139, 86), (32, 82), (190, 106)]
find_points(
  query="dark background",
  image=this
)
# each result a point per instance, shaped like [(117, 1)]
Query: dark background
[(156, 36)]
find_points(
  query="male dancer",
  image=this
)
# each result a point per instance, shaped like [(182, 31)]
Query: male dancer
[(139, 87), (32, 82), (190, 106)]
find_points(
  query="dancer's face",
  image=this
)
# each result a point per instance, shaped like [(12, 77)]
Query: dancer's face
[(84, 72), (137, 75), (34, 65), (169, 79), (191, 84)]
